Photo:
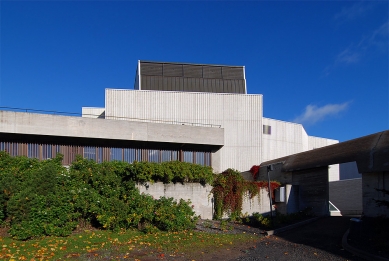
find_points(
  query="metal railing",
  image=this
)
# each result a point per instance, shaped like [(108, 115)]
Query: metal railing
[(98, 116)]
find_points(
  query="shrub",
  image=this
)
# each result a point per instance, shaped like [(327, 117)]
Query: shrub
[(42, 205), (41, 198), (174, 216)]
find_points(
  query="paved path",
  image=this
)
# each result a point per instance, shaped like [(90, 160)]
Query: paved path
[(320, 240)]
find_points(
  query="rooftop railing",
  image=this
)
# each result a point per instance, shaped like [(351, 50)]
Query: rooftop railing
[(99, 116)]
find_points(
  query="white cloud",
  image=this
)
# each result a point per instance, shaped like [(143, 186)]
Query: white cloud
[(348, 56), (352, 12), (380, 36), (375, 42), (314, 114)]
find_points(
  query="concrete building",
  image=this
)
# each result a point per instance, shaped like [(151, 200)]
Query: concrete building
[(214, 96), (189, 112), (306, 184)]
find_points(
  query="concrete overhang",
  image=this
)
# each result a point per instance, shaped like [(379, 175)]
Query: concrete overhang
[(21, 123), (371, 153)]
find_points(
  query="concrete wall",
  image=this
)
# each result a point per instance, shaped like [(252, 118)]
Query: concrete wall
[(258, 204), (286, 138), (198, 194), (54, 125), (370, 182), (305, 188), (93, 112), (346, 195), (240, 115), (313, 189), (201, 197), (289, 138), (291, 204), (316, 142)]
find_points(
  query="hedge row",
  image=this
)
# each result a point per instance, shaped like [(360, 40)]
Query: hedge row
[(39, 198)]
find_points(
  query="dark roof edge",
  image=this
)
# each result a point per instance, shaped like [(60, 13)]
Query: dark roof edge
[(370, 152)]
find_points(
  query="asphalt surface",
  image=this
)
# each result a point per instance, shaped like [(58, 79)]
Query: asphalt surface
[(319, 240)]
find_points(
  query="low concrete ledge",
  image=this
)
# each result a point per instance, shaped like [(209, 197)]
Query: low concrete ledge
[(358, 252), (23, 123)]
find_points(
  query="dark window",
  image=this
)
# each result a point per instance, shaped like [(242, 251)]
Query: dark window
[(90, 153), (153, 156), (101, 154), (116, 154), (47, 151), (200, 157), (33, 150), (129, 155), (188, 156), (266, 129)]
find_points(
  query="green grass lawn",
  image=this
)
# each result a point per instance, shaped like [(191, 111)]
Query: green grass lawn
[(106, 245)]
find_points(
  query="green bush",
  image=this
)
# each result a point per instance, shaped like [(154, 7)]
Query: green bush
[(170, 171), (42, 205), (174, 216), (42, 198)]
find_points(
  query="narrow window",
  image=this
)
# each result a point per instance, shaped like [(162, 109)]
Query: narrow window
[(166, 155), (90, 153), (266, 129), (116, 154), (200, 156), (153, 155), (188, 156), (129, 155)]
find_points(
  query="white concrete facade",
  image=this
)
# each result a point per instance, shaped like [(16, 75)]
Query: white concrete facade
[(240, 115), (93, 112), (202, 199), (288, 138)]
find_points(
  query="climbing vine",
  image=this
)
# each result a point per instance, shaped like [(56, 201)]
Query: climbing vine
[(228, 190), (255, 171)]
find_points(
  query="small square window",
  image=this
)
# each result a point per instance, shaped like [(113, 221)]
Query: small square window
[(266, 129)]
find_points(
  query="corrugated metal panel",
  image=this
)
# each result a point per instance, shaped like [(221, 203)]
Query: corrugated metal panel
[(151, 68), (180, 83), (214, 72), (193, 78), (232, 72), (193, 71), (172, 70), (240, 86)]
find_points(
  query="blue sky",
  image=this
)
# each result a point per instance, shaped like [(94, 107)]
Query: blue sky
[(321, 63)]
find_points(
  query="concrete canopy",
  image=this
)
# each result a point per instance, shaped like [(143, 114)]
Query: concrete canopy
[(371, 153)]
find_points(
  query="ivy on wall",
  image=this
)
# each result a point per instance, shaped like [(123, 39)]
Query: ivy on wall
[(229, 188)]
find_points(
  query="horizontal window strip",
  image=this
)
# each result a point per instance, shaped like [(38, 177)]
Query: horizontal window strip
[(101, 154)]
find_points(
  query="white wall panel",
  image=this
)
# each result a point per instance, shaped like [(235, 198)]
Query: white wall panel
[(288, 138), (93, 112), (240, 115)]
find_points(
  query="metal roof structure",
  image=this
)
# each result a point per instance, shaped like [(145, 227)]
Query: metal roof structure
[(166, 76)]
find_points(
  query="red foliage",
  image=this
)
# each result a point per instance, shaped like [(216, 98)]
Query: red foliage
[(255, 171), (264, 184)]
